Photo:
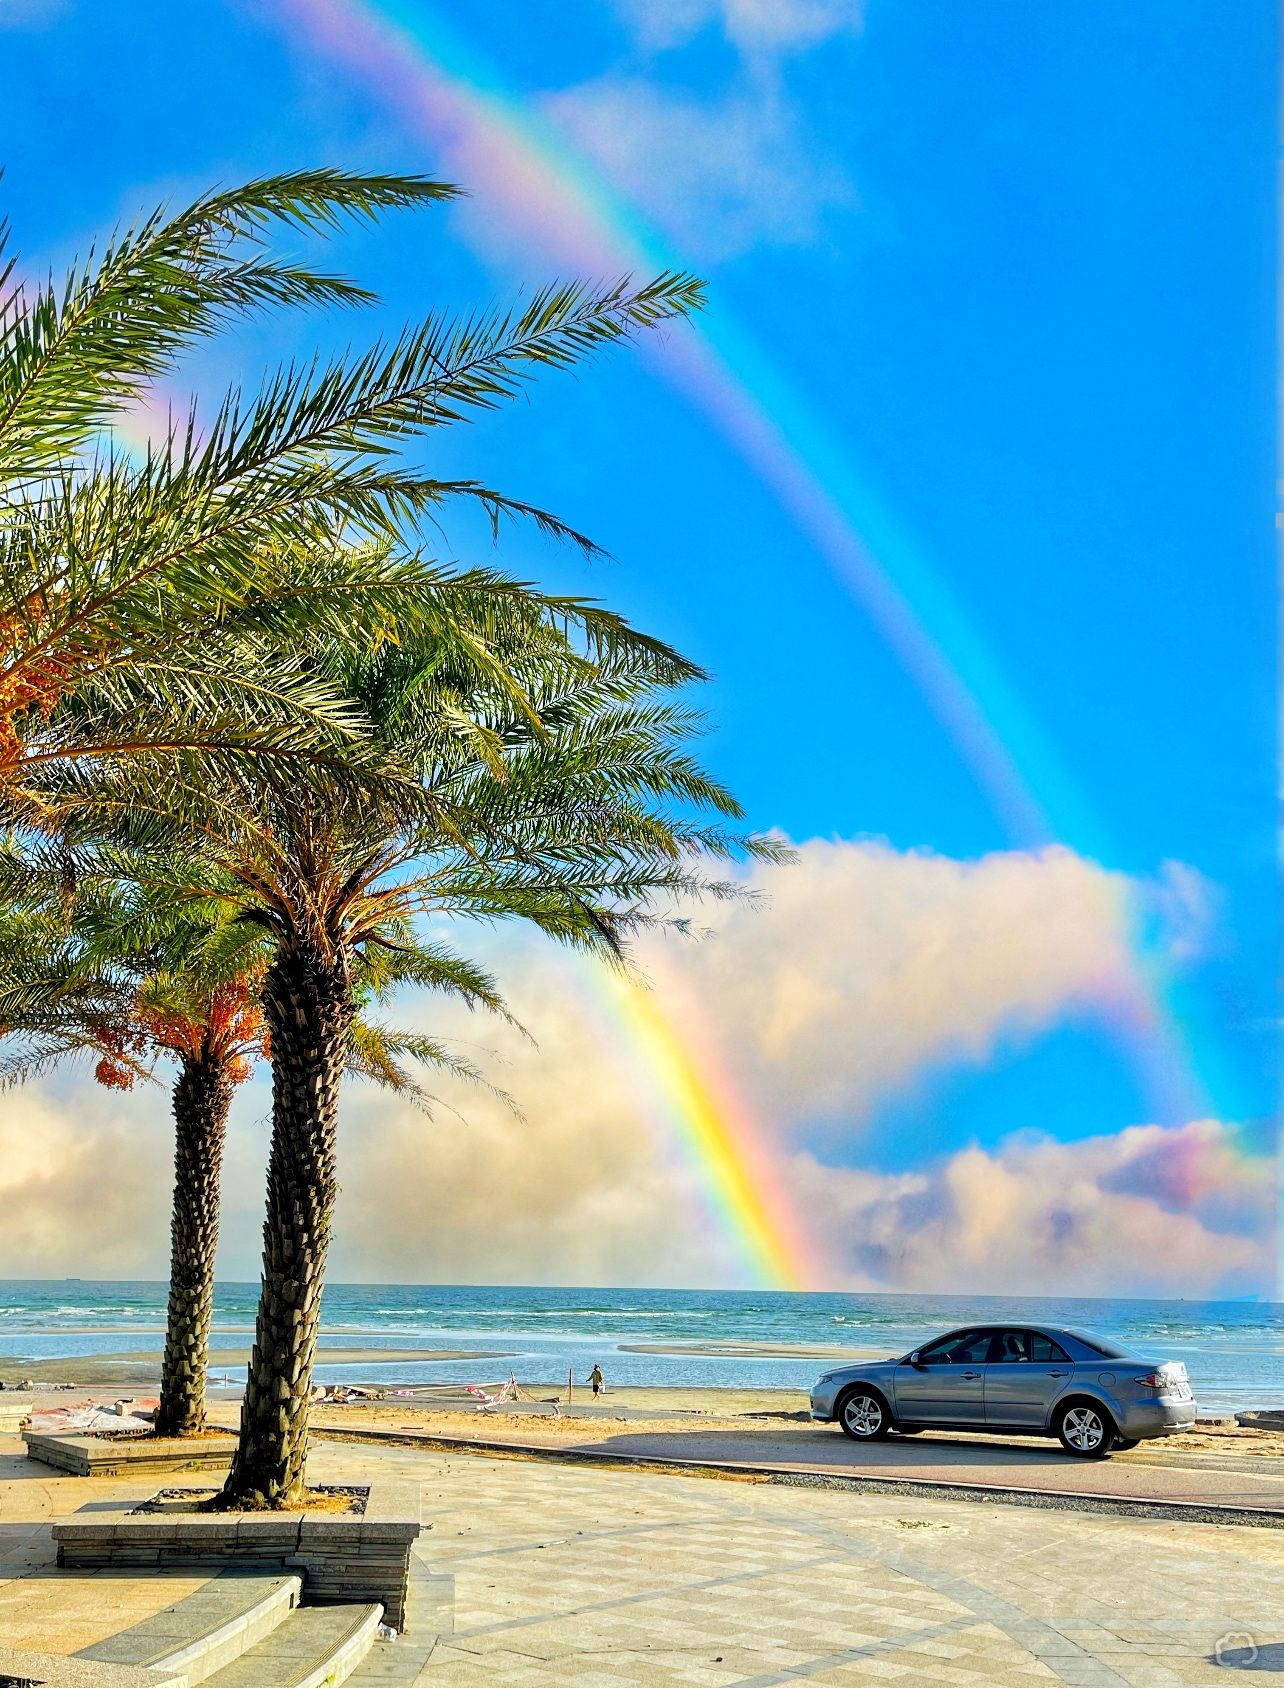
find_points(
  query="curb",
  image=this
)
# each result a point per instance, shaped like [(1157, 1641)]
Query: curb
[(1050, 1500)]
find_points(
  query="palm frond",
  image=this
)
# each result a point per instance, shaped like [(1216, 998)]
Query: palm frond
[(73, 352), (438, 373), (389, 1056)]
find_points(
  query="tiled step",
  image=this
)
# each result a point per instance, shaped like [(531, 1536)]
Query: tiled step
[(430, 1614), (207, 1630), (316, 1647)]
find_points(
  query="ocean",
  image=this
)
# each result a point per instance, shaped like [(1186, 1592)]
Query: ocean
[(1234, 1350)]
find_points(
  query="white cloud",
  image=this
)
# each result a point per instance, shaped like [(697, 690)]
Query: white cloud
[(753, 26), (577, 1191), (866, 970), (1185, 907), (86, 1176), (718, 176), (718, 170), (867, 967)]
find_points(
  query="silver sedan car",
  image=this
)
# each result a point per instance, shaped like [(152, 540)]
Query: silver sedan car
[(1030, 1380)]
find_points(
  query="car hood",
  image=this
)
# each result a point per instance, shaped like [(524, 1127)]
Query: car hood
[(870, 1368)]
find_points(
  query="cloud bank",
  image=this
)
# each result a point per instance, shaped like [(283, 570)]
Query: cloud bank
[(867, 967), (1147, 1211), (868, 971)]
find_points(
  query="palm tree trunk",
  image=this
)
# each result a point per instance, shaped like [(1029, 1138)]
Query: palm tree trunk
[(307, 1004), (202, 1097)]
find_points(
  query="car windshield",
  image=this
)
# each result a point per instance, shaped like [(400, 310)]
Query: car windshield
[(1099, 1345)]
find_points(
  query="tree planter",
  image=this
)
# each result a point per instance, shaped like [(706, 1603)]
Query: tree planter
[(85, 1455), (342, 1557)]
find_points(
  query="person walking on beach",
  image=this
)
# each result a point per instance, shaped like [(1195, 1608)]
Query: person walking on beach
[(597, 1380)]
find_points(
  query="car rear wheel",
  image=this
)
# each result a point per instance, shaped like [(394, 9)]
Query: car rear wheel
[(864, 1415), (1086, 1430)]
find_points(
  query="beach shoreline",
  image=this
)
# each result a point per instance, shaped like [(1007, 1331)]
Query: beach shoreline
[(140, 1368), (664, 1419)]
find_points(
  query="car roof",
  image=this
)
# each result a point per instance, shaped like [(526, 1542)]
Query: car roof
[(1003, 1324), (1097, 1344)]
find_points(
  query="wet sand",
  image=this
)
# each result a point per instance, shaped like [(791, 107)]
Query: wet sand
[(756, 1351), (141, 1370)]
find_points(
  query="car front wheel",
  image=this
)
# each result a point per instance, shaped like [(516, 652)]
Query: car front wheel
[(864, 1416), (1085, 1430)]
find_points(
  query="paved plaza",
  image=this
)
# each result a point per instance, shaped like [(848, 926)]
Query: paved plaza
[(543, 1574)]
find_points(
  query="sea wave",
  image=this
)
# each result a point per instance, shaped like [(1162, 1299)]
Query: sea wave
[(1233, 1347)]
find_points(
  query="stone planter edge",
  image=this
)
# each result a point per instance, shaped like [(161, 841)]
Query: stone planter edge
[(363, 1558), (85, 1455)]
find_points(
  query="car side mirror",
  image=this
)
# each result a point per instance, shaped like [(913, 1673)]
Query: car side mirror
[(916, 1359)]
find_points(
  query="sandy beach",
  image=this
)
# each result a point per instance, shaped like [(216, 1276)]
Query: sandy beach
[(663, 1414)]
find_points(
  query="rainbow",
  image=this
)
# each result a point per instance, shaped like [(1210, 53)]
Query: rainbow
[(555, 206), (695, 1106), (152, 417)]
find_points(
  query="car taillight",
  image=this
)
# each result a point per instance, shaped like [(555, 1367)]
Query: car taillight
[(1167, 1378)]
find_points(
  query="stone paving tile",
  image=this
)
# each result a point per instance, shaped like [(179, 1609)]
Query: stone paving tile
[(567, 1574), (61, 1612), (804, 1586)]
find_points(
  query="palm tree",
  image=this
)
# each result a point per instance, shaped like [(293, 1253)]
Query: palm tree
[(196, 980), (565, 795), (111, 973), (145, 605), (109, 597), (154, 966)]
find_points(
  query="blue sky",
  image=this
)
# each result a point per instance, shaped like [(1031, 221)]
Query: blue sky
[(1018, 260)]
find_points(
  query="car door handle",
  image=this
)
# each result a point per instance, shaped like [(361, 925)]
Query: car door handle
[(1056, 1374), (971, 1374)]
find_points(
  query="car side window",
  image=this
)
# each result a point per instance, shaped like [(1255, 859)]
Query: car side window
[(1044, 1350), (964, 1348)]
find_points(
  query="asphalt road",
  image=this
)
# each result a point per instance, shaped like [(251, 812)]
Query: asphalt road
[(1143, 1473), (1151, 1472)]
